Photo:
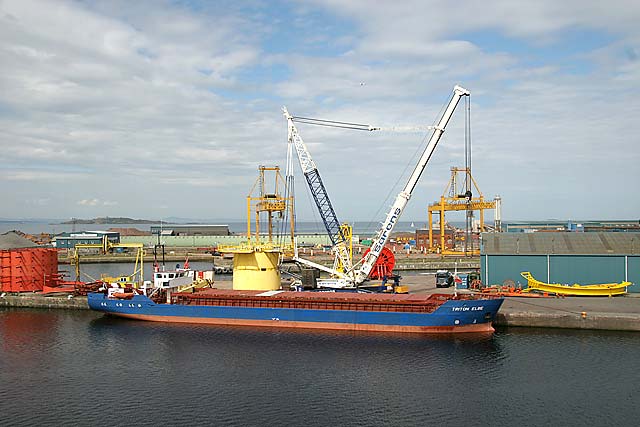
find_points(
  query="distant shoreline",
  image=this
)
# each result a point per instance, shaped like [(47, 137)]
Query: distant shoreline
[(109, 220)]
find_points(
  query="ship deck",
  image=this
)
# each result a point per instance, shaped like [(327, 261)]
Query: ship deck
[(406, 303)]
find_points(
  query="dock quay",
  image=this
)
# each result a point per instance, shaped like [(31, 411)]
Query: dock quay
[(412, 262), (620, 313), (600, 313), (36, 300)]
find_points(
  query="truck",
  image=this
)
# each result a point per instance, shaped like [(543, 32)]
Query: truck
[(444, 279)]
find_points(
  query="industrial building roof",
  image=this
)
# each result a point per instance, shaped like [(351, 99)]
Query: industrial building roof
[(11, 240), (561, 243)]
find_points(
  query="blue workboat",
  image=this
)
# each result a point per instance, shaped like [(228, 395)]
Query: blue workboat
[(437, 313)]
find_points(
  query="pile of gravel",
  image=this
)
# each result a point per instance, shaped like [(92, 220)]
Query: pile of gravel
[(12, 240)]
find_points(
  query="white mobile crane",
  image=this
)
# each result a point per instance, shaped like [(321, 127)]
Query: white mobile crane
[(352, 277), (403, 197)]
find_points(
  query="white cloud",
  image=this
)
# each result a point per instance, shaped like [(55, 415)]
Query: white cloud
[(96, 202), (147, 100), (89, 202), (37, 176)]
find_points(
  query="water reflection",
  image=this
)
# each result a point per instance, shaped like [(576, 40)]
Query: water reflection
[(84, 364)]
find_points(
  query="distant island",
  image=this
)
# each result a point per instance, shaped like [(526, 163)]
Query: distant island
[(111, 220)]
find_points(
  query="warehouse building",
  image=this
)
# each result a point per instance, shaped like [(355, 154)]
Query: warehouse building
[(575, 226), (584, 258), (70, 240), (190, 230)]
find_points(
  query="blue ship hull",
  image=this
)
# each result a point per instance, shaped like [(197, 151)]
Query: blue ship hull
[(472, 315)]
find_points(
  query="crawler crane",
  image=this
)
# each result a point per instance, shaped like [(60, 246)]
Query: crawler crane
[(323, 203), (352, 277)]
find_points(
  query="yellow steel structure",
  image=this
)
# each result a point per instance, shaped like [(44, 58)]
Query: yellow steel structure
[(604, 289), (347, 232), (256, 262), (454, 199), (256, 271), (135, 279), (268, 203)]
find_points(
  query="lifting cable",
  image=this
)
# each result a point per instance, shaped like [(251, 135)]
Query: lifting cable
[(283, 225), (288, 224), (334, 124), (394, 187), (411, 161), (467, 165), (370, 128), (359, 126)]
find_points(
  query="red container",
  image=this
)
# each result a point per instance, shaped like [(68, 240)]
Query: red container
[(28, 269)]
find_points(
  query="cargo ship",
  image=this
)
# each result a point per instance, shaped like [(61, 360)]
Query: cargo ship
[(405, 313)]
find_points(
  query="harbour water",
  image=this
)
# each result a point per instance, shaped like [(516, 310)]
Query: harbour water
[(79, 368)]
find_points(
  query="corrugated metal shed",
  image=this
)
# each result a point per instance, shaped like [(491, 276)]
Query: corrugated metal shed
[(563, 257), (561, 243), (11, 240)]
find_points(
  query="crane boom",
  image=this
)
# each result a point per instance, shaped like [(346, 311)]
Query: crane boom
[(320, 196), (403, 197)]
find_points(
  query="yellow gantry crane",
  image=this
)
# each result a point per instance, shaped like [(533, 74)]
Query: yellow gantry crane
[(256, 262), (269, 203), (456, 198), (135, 279)]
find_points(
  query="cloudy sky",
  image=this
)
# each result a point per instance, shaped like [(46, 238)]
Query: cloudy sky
[(153, 109)]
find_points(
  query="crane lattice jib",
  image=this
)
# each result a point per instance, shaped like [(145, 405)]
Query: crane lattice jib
[(325, 208), (317, 188)]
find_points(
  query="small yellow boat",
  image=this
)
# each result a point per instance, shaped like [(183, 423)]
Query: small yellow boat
[(604, 289)]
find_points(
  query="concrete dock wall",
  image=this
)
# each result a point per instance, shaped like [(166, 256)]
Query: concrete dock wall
[(615, 314), (40, 301), (597, 321)]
